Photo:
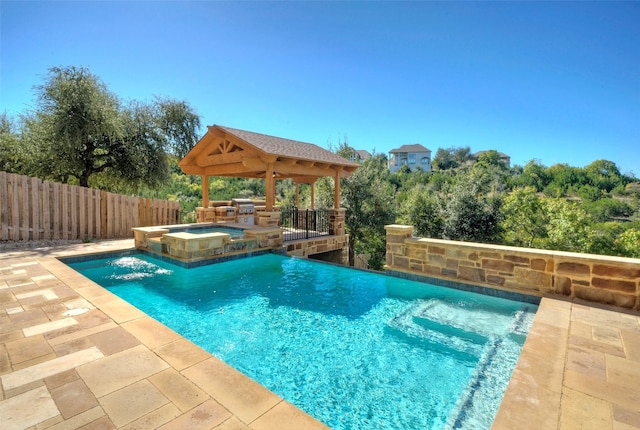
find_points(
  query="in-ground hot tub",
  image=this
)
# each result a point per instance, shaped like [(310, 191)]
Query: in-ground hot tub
[(202, 241)]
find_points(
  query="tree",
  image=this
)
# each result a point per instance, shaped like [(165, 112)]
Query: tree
[(367, 196), (603, 174), (469, 214), (629, 242), (450, 158), (523, 217), (85, 131), (10, 148), (568, 228), (534, 175), (423, 211)]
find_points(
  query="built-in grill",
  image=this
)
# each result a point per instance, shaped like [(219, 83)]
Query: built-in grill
[(245, 210)]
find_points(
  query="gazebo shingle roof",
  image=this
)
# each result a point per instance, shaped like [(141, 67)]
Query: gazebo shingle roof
[(288, 148)]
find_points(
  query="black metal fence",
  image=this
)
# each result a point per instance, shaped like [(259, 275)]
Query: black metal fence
[(303, 223)]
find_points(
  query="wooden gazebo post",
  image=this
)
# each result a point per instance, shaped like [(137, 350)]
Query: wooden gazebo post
[(271, 187), (205, 191), (336, 189)]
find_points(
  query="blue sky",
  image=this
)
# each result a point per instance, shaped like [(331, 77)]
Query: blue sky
[(554, 81)]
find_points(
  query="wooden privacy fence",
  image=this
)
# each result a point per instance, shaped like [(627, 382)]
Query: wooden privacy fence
[(32, 209)]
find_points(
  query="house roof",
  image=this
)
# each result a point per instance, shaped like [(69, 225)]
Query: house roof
[(410, 148), (364, 154), (226, 151)]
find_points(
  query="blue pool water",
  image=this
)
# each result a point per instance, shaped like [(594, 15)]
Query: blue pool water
[(354, 349)]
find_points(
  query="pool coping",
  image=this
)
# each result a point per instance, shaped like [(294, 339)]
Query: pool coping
[(580, 364)]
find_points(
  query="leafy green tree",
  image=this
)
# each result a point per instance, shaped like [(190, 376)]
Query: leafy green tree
[(423, 211), (564, 178), (534, 175), (85, 131), (450, 158), (589, 193), (491, 158), (443, 160), (603, 174), (569, 227), (367, 196), (471, 215), (11, 152), (629, 243), (523, 217), (463, 210)]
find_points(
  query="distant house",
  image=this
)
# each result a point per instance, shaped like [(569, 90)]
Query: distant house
[(413, 156), (359, 155), (503, 157)]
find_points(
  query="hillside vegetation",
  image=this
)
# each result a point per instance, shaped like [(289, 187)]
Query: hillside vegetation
[(81, 133)]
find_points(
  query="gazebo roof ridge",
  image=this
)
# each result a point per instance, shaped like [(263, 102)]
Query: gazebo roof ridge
[(288, 147)]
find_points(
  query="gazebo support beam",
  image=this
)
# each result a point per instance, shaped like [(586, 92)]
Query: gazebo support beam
[(313, 194), (336, 190), (205, 191), (271, 187)]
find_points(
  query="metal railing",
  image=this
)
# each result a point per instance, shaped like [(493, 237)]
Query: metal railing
[(303, 223)]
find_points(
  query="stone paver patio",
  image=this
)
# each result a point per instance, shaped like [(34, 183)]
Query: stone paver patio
[(74, 356)]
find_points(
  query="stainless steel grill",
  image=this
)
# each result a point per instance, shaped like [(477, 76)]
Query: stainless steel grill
[(245, 209)]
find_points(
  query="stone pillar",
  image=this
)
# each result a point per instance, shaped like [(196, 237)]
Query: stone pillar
[(396, 236), (336, 221)]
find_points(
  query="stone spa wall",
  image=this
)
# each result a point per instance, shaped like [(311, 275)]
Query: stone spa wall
[(595, 278)]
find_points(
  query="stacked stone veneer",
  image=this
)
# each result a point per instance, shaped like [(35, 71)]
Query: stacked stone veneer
[(336, 222), (319, 245), (337, 240), (596, 278)]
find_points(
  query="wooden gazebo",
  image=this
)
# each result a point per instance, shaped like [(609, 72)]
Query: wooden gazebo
[(225, 151)]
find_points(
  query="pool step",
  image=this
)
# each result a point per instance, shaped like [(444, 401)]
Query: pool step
[(460, 327), (439, 344), (450, 330), (464, 316), (413, 326)]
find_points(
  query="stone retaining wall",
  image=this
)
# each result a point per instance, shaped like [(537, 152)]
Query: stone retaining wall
[(596, 278), (318, 245)]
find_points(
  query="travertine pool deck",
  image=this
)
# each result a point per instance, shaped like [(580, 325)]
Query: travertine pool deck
[(114, 367)]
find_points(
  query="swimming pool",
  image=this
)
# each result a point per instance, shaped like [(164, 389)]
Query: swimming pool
[(354, 349)]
